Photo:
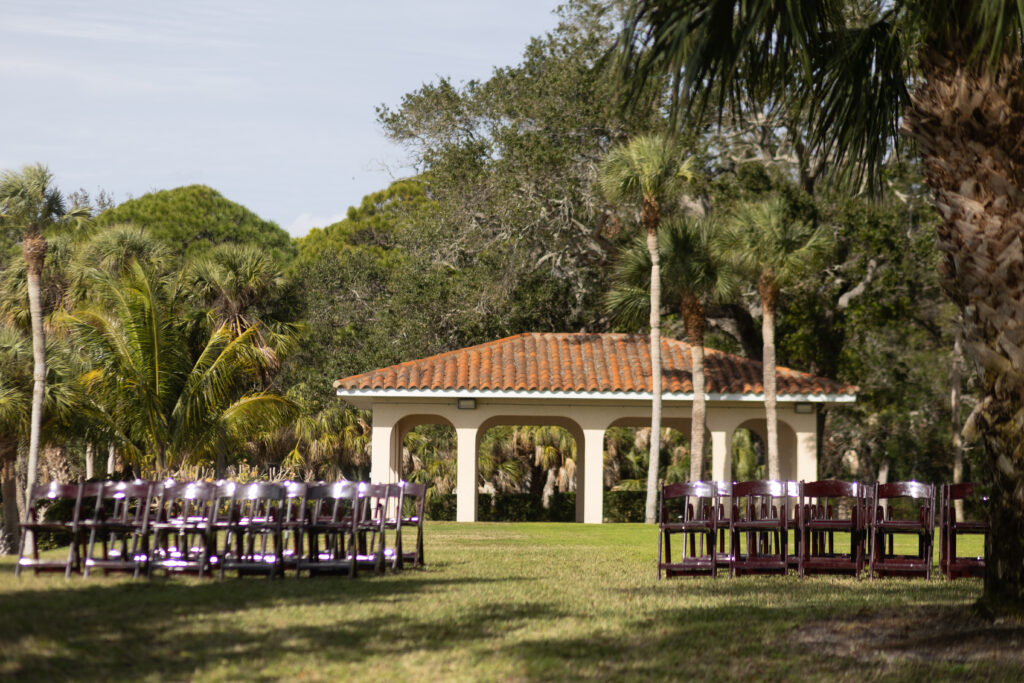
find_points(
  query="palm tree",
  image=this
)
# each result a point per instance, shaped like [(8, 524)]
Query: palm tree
[(164, 403), (775, 249), (846, 74), (30, 203), (648, 171), (693, 275), (62, 403)]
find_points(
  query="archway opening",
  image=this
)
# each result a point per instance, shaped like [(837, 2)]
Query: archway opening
[(750, 453), (527, 471)]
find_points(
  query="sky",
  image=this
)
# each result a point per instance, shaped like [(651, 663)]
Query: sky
[(270, 103)]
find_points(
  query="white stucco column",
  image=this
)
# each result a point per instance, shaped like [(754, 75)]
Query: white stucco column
[(721, 460), (807, 451), (385, 462), (590, 480), (466, 489)]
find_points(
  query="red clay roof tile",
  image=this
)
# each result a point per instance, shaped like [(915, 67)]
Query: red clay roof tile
[(583, 362)]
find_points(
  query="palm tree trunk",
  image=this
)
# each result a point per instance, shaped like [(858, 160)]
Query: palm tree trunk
[(90, 460), (966, 119), (9, 491), (34, 250), (693, 317), (769, 300), (957, 423), (650, 515), (111, 459)]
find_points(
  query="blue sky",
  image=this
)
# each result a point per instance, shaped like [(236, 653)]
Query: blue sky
[(271, 103)]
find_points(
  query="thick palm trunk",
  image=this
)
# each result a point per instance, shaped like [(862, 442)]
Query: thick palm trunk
[(653, 464), (693, 317), (34, 250), (969, 121), (769, 299)]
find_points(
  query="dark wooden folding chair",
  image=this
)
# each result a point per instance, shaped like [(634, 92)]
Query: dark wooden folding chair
[(952, 565), (760, 516), (330, 536), (688, 510), (827, 509), (252, 534), (375, 501), (723, 518), (793, 543), (411, 501), (294, 517), (183, 536), (62, 506), (120, 525), (901, 509)]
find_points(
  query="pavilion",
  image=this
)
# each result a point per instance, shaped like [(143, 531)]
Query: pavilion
[(585, 383)]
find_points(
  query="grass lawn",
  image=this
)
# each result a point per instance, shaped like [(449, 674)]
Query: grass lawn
[(503, 601)]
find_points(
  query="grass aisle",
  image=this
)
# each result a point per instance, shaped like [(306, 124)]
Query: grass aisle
[(502, 601)]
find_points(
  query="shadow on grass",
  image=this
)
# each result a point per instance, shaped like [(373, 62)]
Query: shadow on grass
[(787, 628), (173, 629), (782, 643)]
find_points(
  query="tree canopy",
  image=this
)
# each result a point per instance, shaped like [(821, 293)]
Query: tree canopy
[(194, 218)]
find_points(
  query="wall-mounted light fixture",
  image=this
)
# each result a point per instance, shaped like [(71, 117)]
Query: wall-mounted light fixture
[(805, 408), (467, 404)]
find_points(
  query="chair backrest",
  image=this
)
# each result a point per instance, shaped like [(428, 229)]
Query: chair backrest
[(906, 489), (295, 502), (333, 502), (54, 492), (762, 498), (124, 502), (675, 500), (768, 488), (413, 498), (373, 502), (960, 491), (831, 488), (921, 493), (257, 502), (189, 502)]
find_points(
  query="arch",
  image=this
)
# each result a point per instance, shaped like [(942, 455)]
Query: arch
[(683, 425), (787, 443), (402, 429)]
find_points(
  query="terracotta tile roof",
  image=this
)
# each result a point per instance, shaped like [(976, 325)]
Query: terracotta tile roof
[(596, 363)]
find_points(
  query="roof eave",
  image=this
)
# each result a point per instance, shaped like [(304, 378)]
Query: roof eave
[(361, 397)]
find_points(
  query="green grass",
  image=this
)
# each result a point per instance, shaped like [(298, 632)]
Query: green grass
[(497, 601)]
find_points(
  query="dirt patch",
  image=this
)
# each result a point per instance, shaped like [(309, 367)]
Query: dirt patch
[(932, 634)]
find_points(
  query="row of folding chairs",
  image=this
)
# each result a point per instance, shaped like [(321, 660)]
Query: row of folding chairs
[(837, 527), (143, 527)]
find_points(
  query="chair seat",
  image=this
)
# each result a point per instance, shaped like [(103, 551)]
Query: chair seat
[(903, 526)]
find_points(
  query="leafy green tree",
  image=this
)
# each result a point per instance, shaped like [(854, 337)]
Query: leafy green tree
[(509, 165), (385, 220), (775, 248), (166, 404), (649, 172), (195, 218), (31, 204), (850, 73), (693, 275)]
